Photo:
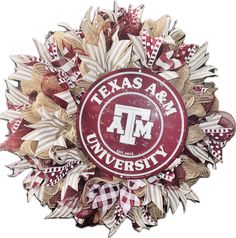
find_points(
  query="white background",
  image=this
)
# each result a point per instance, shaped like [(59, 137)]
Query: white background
[(213, 21)]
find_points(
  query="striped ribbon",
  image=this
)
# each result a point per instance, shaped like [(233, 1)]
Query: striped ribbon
[(63, 156), (46, 132), (154, 194), (66, 209), (15, 96), (10, 115), (67, 97), (165, 62), (176, 195)]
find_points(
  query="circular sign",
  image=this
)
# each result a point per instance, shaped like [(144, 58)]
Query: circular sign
[(132, 123)]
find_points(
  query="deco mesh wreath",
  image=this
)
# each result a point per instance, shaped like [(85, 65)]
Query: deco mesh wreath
[(115, 120)]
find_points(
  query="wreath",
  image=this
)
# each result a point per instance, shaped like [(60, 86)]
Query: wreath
[(44, 97)]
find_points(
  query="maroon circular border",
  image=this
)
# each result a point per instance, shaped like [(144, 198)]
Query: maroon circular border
[(185, 120)]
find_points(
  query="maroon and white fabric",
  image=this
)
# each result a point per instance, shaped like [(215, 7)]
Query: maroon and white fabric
[(219, 127), (67, 97), (118, 218), (128, 199), (167, 175), (20, 166), (106, 197), (93, 191), (14, 125), (167, 62), (55, 174), (152, 47), (136, 184), (66, 69), (33, 181), (66, 208), (88, 173), (67, 65), (185, 52), (133, 13)]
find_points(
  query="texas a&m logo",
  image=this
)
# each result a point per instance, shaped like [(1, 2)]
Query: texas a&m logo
[(131, 123), (133, 127)]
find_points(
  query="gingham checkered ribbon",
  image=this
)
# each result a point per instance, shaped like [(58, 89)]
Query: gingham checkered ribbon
[(105, 196), (93, 191), (128, 199)]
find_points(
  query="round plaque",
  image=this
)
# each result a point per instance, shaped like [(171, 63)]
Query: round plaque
[(132, 123)]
